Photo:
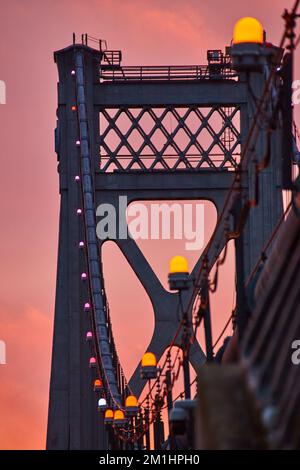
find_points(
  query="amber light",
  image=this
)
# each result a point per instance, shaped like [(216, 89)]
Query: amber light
[(119, 414), (98, 385), (109, 416), (178, 264), (119, 417), (148, 366), (149, 359), (131, 401), (131, 405), (179, 278), (248, 30)]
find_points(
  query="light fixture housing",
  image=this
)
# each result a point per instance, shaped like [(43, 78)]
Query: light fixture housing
[(98, 385), (131, 405), (92, 362), (109, 417), (89, 336), (148, 369), (102, 404), (119, 418), (179, 277), (248, 30), (248, 51)]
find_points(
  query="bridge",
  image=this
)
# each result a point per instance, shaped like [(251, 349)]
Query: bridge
[(233, 144)]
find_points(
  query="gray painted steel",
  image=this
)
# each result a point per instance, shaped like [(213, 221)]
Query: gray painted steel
[(73, 421)]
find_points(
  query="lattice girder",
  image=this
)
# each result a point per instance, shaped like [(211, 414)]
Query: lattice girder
[(191, 149)]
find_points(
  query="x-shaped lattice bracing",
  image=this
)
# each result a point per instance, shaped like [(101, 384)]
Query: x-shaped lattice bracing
[(180, 157)]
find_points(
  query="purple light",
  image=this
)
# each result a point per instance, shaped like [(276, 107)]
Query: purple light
[(87, 306), (83, 276), (92, 362), (77, 142), (77, 178), (79, 212), (89, 336), (73, 72), (81, 244)]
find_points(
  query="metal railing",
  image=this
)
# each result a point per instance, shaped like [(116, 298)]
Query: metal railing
[(218, 66), (171, 72), (87, 40), (111, 59)]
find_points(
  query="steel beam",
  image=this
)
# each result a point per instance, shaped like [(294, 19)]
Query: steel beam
[(165, 93)]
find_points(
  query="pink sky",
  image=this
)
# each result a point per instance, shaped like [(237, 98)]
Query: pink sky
[(149, 32)]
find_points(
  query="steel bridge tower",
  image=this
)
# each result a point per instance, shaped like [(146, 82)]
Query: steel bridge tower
[(113, 135)]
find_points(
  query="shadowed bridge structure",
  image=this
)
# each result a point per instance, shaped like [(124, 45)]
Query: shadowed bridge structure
[(113, 138)]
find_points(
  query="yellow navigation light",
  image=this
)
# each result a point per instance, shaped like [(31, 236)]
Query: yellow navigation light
[(179, 264), (131, 405), (98, 385), (148, 369), (109, 414), (179, 278), (131, 401), (149, 359), (119, 414), (119, 418), (248, 30)]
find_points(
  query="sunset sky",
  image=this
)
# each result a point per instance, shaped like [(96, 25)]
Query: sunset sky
[(148, 32)]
